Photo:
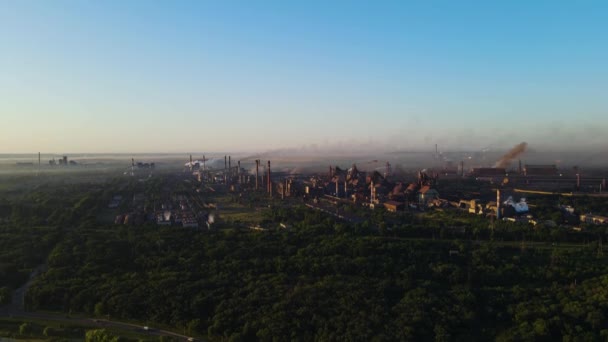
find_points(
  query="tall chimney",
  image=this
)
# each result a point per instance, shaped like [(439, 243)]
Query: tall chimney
[(204, 166), (604, 184), (38, 159), (225, 163), (497, 204), (229, 166), (372, 195), (519, 170), (345, 188), (337, 190), (284, 188), (462, 167), (257, 170), (578, 181), (436, 150), (269, 183)]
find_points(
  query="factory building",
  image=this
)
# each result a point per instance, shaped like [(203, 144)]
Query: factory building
[(594, 219), (488, 171), (394, 206), (426, 195), (540, 170)]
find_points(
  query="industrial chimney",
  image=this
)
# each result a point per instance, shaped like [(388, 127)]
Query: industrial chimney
[(519, 170), (229, 166), (269, 181), (372, 196), (225, 163), (345, 188), (497, 204), (337, 190), (257, 170)]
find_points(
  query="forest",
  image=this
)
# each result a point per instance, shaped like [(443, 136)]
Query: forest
[(443, 276)]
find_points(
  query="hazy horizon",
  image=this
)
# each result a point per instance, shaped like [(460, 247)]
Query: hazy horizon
[(173, 77)]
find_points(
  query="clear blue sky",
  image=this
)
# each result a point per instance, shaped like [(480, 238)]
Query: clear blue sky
[(169, 76)]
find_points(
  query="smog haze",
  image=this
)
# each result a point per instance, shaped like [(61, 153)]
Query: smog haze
[(147, 77)]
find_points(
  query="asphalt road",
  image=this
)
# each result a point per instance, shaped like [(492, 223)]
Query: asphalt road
[(17, 310), (89, 322)]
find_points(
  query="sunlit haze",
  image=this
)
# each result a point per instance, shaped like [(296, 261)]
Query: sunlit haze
[(174, 76)]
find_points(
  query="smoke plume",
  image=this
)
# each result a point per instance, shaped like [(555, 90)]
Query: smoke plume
[(505, 160)]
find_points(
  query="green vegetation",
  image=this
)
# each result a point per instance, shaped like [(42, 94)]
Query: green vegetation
[(324, 280), (441, 275), (38, 329)]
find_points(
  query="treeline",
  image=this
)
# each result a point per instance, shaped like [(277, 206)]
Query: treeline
[(327, 280)]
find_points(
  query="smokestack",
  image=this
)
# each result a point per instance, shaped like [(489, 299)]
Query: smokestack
[(225, 163), (190, 159), (257, 170), (604, 184), (372, 196), (229, 166), (38, 159), (337, 190), (578, 182), (462, 168), (519, 170), (269, 183), (497, 204), (505, 160), (436, 150), (204, 166), (345, 188), (284, 188)]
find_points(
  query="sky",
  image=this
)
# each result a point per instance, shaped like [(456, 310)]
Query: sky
[(119, 76)]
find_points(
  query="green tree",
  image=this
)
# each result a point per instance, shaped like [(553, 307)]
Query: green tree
[(100, 335), (25, 329), (100, 309), (49, 332), (5, 295)]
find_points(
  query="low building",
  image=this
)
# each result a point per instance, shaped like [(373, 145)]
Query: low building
[(163, 218), (426, 194), (488, 171), (540, 170), (594, 219), (394, 206)]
